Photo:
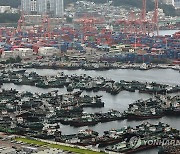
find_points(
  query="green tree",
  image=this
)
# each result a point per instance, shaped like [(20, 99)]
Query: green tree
[(69, 19), (168, 9), (18, 59), (12, 3), (9, 18)]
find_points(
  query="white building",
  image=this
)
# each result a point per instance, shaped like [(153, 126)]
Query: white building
[(26, 6), (47, 51), (169, 2), (23, 52), (46, 6), (33, 6), (177, 4), (59, 9), (4, 9), (7, 54), (14, 10), (52, 7)]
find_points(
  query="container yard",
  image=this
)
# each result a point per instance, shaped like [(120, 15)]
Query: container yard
[(138, 45)]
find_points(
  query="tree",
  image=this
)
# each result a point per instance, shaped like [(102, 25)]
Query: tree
[(12, 3), (69, 19), (168, 9), (18, 59), (9, 18)]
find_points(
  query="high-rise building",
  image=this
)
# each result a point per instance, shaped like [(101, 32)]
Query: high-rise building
[(177, 4), (33, 6), (25, 6), (59, 7), (52, 7)]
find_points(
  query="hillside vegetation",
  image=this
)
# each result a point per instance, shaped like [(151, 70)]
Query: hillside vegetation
[(9, 18), (12, 3), (168, 9)]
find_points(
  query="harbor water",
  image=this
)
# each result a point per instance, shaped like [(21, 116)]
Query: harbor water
[(165, 76), (119, 102), (167, 32)]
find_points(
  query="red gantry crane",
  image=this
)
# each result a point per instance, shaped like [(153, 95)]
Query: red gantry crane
[(46, 26), (155, 19), (140, 25), (88, 26), (21, 22)]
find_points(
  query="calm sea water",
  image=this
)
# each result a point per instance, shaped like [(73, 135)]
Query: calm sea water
[(166, 76), (167, 32)]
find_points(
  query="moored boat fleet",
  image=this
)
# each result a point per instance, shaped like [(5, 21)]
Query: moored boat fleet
[(119, 140), (97, 66), (146, 136), (84, 82), (41, 115), (154, 108)]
